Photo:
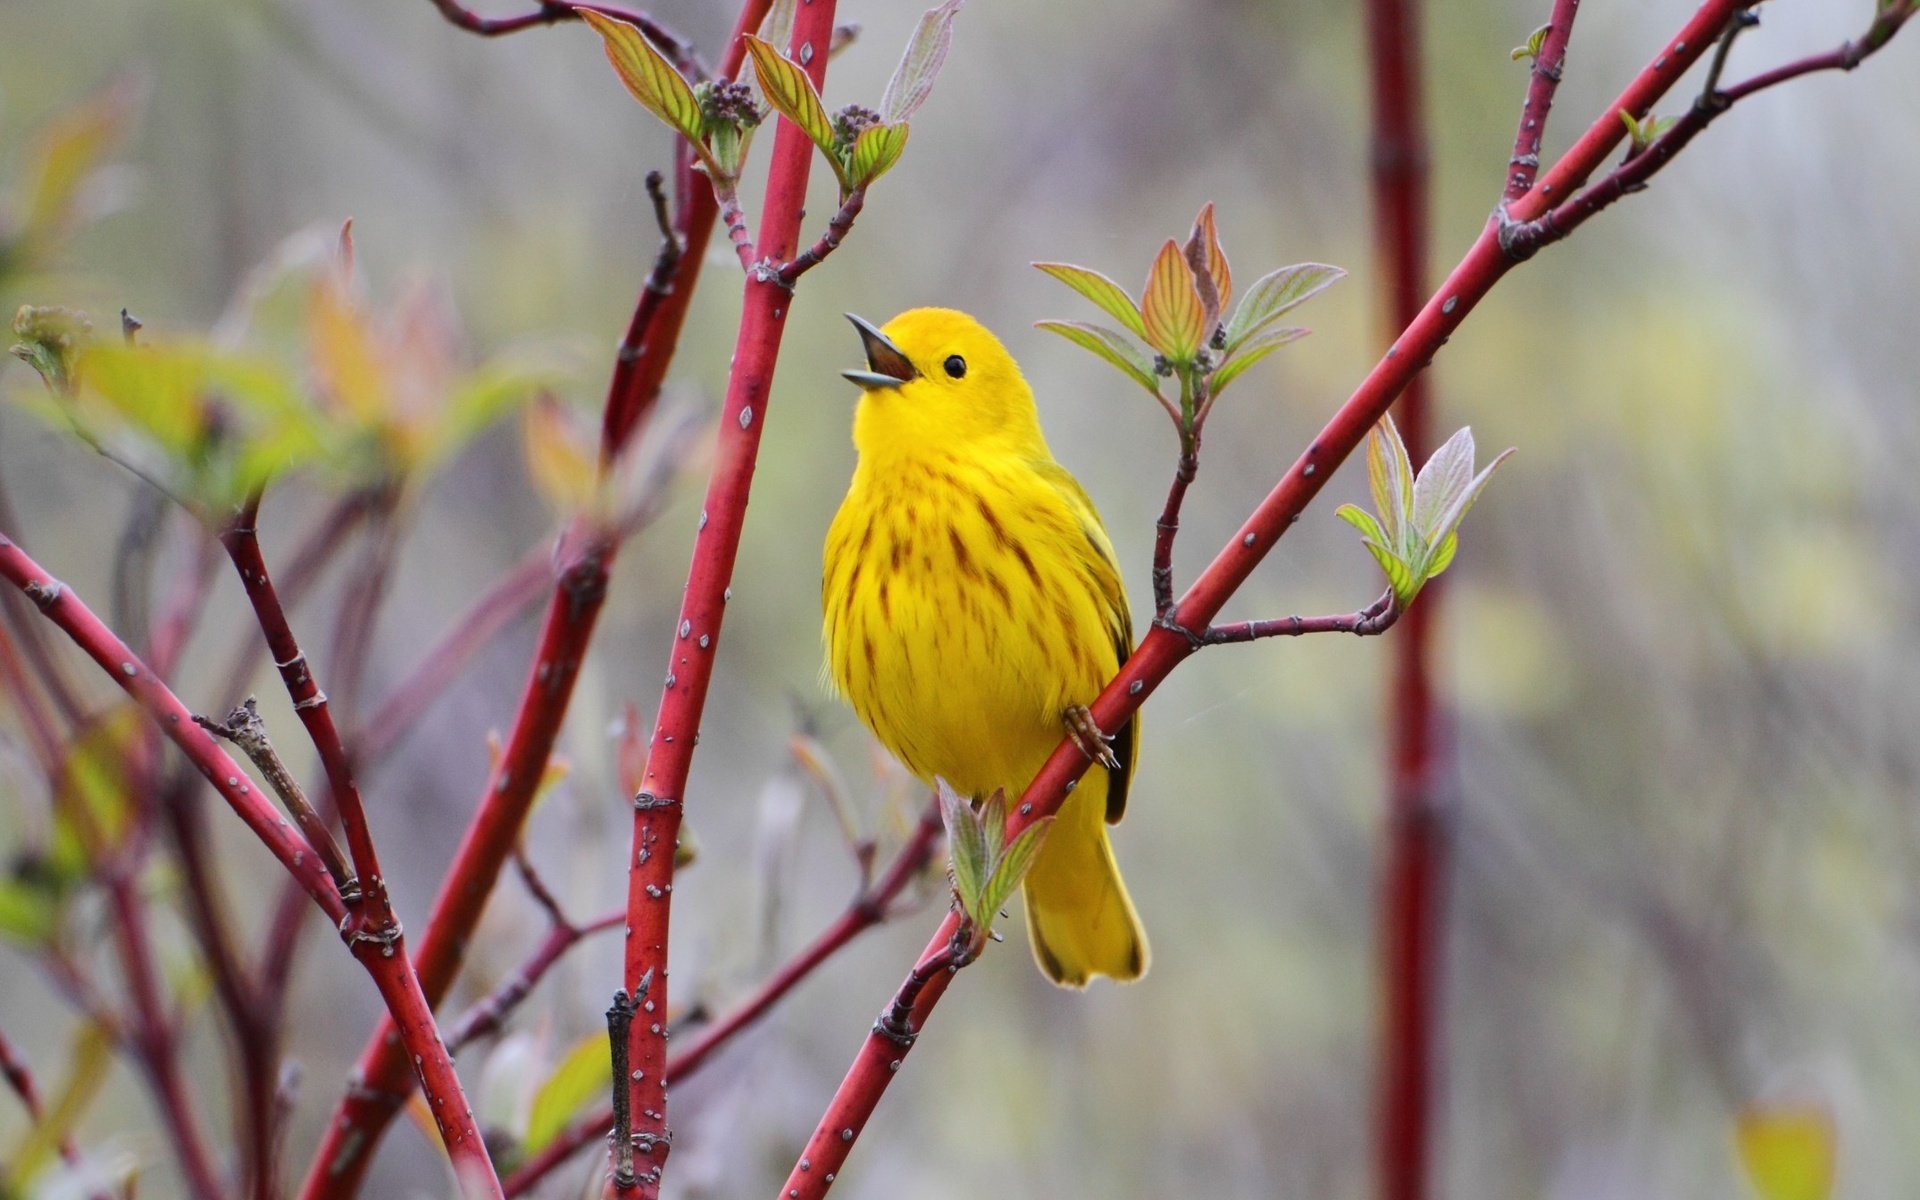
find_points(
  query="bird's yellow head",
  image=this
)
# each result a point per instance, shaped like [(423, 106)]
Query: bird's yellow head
[(937, 378)]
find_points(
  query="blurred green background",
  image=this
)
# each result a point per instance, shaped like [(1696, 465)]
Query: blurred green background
[(1680, 636)]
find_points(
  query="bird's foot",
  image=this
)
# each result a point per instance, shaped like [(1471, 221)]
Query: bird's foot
[(1086, 734)]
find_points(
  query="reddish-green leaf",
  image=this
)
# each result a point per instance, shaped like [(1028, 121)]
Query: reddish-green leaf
[(1110, 296), (789, 90), (920, 65), (1171, 309), (1108, 344), (654, 82), (874, 152), (1209, 263)]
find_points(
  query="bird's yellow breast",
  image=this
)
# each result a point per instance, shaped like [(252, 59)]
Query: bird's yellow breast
[(965, 609)]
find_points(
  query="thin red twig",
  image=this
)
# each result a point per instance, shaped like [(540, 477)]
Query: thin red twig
[(552, 12), (1371, 621), (490, 1012), (657, 807), (837, 230)]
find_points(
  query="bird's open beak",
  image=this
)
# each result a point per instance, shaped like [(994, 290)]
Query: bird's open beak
[(890, 368)]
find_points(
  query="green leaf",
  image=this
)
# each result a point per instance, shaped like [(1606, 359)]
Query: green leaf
[(1110, 296), (1364, 521), (1012, 866), (93, 801), (1108, 344), (913, 79), (1390, 479), (791, 91), (1400, 575), (1443, 479), (585, 1075), (1170, 306), (1449, 520), (1276, 293), (1252, 351), (480, 399), (875, 152), (88, 1064), (1531, 48), (654, 82), (967, 847), (29, 910), (993, 823), (1441, 556)]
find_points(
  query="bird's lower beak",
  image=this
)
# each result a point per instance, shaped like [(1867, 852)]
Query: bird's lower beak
[(890, 368)]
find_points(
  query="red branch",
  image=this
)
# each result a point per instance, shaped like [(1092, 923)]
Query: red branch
[(58, 603), (1483, 266), (1413, 869), (1545, 81), (382, 1079), (657, 807), (381, 957), (871, 907)]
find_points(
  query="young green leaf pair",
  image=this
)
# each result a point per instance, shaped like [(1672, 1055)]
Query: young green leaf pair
[(987, 869), (1417, 531)]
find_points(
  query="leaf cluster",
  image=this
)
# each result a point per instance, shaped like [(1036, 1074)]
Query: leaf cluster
[(718, 118), (986, 867), (1416, 532), (1183, 320)]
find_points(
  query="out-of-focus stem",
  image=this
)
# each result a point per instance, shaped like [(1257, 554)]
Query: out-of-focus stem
[(1414, 866)]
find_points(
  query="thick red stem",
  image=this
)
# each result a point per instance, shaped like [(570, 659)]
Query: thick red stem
[(657, 807)]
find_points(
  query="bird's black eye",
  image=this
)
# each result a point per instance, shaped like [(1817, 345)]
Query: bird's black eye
[(955, 365)]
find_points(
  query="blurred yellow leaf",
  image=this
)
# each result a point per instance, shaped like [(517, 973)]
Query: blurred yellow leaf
[(93, 792), (584, 1076), (1787, 1152), (65, 156), (88, 1061), (563, 465), (346, 358)]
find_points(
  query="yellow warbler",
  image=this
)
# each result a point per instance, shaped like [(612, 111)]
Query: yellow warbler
[(973, 607)]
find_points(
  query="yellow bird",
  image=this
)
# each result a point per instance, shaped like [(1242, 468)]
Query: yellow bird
[(973, 609)]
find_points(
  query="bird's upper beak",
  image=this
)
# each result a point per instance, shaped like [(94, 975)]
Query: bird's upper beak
[(890, 368)]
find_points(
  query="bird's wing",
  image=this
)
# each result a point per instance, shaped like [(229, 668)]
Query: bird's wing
[(1105, 573)]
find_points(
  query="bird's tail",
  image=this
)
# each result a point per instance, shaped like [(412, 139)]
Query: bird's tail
[(1080, 920)]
